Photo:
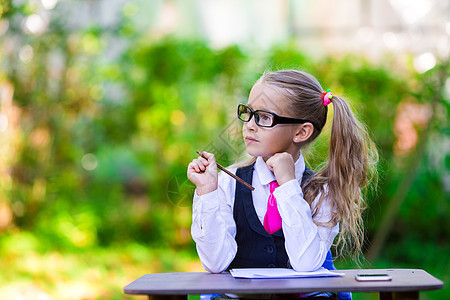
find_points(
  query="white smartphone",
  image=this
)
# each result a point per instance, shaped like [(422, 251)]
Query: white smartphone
[(373, 277)]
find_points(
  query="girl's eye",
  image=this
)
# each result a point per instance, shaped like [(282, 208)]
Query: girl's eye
[(265, 117)]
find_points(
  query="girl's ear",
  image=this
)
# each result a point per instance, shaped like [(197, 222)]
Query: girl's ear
[(303, 133)]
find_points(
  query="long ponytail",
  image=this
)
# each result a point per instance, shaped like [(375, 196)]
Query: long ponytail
[(350, 167)]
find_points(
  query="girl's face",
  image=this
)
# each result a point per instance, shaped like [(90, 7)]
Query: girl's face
[(266, 141)]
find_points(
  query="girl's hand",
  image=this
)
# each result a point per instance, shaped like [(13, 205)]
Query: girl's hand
[(282, 166), (203, 173)]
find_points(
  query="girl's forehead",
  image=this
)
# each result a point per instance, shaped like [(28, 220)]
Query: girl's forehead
[(267, 97)]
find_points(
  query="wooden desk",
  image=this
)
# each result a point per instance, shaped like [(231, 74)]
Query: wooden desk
[(405, 284)]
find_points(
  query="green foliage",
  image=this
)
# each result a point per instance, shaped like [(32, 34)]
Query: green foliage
[(97, 162)]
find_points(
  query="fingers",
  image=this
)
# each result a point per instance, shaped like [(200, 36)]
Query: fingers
[(280, 157), (279, 160), (283, 167), (209, 156), (202, 171), (200, 164)]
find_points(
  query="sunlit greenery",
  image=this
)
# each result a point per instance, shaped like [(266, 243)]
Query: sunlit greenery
[(93, 192)]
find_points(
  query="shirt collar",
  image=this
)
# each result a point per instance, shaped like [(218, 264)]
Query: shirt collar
[(266, 176)]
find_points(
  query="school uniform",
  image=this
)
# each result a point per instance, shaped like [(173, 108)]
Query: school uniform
[(233, 215)]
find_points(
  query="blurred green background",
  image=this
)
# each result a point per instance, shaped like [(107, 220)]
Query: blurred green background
[(98, 122)]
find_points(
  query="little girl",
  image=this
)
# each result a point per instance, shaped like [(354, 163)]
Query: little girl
[(293, 216)]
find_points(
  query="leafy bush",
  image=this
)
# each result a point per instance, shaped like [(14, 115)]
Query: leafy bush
[(96, 159)]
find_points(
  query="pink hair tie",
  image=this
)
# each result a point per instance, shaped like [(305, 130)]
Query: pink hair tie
[(327, 96)]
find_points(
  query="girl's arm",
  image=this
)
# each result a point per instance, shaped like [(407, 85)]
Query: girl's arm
[(213, 228), (306, 243)]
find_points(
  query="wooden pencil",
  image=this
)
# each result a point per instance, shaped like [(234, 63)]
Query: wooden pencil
[(229, 173)]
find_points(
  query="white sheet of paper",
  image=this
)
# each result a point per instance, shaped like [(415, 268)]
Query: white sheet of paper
[(280, 273)]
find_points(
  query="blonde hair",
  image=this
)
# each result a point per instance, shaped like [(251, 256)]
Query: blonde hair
[(352, 154)]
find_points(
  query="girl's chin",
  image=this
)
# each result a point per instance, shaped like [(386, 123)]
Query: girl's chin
[(255, 153)]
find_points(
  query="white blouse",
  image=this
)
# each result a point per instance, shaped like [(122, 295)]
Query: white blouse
[(214, 230)]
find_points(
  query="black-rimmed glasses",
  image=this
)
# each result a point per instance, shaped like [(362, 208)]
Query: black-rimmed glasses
[(266, 118)]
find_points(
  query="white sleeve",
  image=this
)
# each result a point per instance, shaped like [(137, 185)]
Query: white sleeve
[(306, 243), (213, 228)]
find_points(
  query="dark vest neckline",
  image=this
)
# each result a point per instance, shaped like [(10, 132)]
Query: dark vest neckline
[(249, 207)]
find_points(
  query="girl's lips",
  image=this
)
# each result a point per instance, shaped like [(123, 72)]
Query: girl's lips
[(250, 139)]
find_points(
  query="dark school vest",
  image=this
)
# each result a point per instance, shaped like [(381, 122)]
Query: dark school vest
[(256, 247)]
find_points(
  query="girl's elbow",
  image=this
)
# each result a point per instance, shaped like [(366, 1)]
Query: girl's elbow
[(302, 268), (215, 266), (214, 269), (307, 266)]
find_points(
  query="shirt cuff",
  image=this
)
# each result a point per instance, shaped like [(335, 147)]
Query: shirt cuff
[(288, 190), (294, 210)]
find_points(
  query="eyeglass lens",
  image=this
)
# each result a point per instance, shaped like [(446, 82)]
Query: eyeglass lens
[(244, 113), (262, 118)]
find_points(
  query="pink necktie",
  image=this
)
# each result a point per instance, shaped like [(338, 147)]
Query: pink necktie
[(272, 219)]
